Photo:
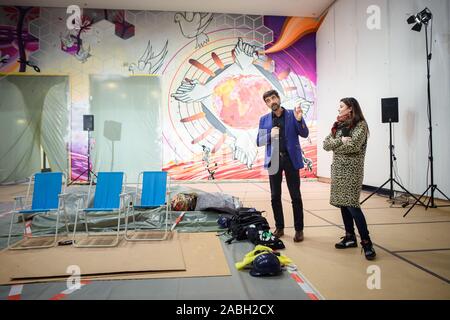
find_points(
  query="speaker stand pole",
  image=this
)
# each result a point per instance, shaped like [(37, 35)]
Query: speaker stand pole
[(89, 157), (88, 169), (391, 174)]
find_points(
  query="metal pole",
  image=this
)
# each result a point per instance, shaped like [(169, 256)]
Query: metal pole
[(391, 193), (430, 128), (89, 157)]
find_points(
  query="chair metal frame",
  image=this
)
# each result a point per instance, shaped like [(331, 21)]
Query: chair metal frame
[(131, 208), (82, 205), (18, 203)]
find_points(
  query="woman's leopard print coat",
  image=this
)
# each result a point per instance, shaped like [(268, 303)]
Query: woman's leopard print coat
[(347, 169)]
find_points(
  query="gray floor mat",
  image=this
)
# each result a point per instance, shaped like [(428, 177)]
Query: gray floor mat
[(240, 285)]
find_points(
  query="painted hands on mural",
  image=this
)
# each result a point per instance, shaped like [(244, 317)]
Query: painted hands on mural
[(241, 142), (190, 91), (245, 54), (243, 147)]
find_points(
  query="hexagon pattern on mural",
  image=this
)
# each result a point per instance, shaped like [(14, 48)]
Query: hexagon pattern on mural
[(134, 42)]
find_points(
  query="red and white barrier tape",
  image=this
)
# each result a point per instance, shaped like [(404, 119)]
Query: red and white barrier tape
[(177, 221), (301, 281), (15, 292), (28, 233), (67, 292)]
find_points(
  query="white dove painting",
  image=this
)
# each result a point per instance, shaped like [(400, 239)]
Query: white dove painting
[(193, 26), (150, 62)]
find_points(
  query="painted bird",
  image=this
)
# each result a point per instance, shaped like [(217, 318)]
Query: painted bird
[(193, 25)]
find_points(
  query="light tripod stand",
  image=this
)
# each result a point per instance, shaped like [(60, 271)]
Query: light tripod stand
[(423, 18)]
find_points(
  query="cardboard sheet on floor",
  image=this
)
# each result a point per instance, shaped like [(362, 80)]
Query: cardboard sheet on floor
[(203, 257), (127, 257)]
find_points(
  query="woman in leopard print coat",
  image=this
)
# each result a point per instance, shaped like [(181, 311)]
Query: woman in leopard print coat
[(348, 141)]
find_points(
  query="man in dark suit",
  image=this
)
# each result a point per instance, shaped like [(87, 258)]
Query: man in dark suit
[(279, 131)]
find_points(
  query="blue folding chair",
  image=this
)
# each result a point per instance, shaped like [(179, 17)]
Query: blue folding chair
[(47, 197), (154, 194), (108, 197)]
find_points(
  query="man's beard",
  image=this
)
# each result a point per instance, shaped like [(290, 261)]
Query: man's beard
[(275, 106)]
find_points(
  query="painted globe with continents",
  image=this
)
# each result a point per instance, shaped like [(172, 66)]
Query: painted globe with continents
[(238, 100)]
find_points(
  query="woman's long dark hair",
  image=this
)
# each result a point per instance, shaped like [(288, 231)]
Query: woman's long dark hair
[(357, 114)]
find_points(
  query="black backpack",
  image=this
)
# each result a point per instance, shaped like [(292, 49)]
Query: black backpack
[(264, 237), (240, 222)]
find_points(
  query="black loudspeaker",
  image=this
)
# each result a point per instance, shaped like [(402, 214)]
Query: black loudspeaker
[(88, 122), (389, 110)]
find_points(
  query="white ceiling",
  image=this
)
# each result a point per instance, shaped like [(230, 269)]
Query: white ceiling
[(301, 8)]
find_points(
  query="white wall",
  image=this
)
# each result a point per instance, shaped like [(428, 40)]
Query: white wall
[(371, 64)]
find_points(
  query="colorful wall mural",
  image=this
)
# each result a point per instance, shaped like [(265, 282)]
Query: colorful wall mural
[(214, 70)]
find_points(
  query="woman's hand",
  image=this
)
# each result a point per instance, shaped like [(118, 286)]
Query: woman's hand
[(346, 139)]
